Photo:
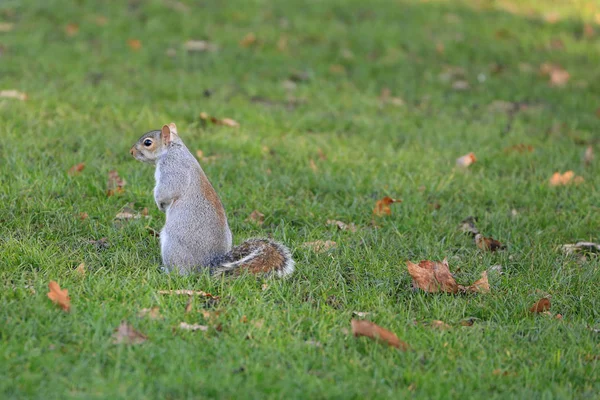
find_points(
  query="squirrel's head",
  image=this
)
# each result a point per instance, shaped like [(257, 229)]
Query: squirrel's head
[(154, 143)]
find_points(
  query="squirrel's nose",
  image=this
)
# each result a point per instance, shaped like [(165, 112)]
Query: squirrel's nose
[(132, 151)]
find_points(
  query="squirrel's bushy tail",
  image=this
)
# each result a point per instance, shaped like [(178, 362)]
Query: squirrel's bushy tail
[(257, 256)]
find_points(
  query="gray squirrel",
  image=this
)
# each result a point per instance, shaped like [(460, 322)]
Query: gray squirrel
[(196, 234)]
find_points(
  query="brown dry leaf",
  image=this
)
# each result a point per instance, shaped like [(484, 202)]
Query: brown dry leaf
[(76, 169), (566, 178), (541, 306), (366, 328), (193, 327), (320, 246), (466, 160), (208, 159), (13, 94), (257, 217), (225, 121), (248, 40), (441, 325), (588, 156), (342, 226), (557, 74), (197, 46), (83, 216), (481, 285), (387, 98), (382, 207), (588, 31), (432, 277), (134, 44), (264, 286), (115, 183), (557, 44), (282, 43), (126, 334), (468, 322), (71, 29), (101, 20), (313, 165), (6, 26), (189, 305), (59, 296), (488, 243), (81, 269), (467, 225), (584, 247), (152, 313), (187, 292)]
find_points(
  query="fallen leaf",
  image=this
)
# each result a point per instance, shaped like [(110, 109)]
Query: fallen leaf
[(101, 243), (342, 226), (540, 306), (584, 247), (313, 165), (441, 325), (193, 327), (361, 314), (481, 285), (558, 75), (320, 246), (432, 277), (71, 29), (189, 305), (225, 121), (337, 69), (244, 319), (557, 44), (322, 155), (59, 296), (81, 269), (466, 160), (248, 40), (197, 46), (134, 44), (101, 20), (264, 286), (187, 292), (125, 333), (467, 225), (460, 85), (588, 156), (13, 94), (257, 217), (496, 269), (566, 178), (152, 313), (83, 216), (386, 97), (208, 159), (361, 327), (115, 183), (6, 26), (468, 321), (76, 169), (488, 243), (382, 207)]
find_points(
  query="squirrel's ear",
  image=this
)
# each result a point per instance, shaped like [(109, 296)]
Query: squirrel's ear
[(165, 134), (173, 127)]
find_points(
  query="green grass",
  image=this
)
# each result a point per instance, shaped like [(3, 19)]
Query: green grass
[(91, 97)]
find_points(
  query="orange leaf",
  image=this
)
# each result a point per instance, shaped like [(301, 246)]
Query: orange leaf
[(466, 160), (248, 40), (481, 285), (541, 306), (557, 74), (488, 244), (320, 246), (441, 325), (59, 296), (382, 207), (257, 217), (76, 169), (432, 277), (134, 44), (71, 29), (366, 328), (567, 178), (13, 94)]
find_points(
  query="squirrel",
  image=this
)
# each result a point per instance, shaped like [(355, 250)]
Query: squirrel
[(196, 234)]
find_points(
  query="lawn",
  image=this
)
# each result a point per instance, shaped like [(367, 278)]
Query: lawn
[(339, 104)]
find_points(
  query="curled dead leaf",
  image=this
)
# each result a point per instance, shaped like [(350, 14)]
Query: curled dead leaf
[(481, 285), (540, 306), (59, 296), (193, 327), (126, 334), (248, 40), (257, 217), (488, 244), (361, 327), (342, 226), (115, 184), (382, 207), (71, 29), (432, 277), (134, 44), (152, 313), (81, 269), (466, 160), (224, 121)]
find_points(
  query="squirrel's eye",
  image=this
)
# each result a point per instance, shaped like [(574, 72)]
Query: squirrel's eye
[(148, 142)]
